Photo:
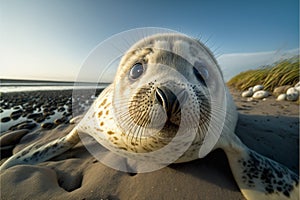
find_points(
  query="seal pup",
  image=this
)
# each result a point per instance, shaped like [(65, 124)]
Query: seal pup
[(168, 103)]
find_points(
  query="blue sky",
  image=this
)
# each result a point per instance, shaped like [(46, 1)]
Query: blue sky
[(50, 39)]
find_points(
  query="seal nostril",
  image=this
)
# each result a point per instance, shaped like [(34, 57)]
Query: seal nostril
[(161, 97)]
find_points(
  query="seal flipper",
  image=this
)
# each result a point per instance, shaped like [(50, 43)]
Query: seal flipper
[(257, 176), (34, 153)]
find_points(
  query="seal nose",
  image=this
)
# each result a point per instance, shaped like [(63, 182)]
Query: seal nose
[(169, 101)]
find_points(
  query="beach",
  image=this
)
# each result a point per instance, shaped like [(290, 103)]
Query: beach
[(267, 126)]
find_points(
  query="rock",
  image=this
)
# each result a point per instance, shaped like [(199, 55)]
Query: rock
[(40, 119), (281, 97), (5, 119), (258, 88), (61, 109), (47, 125), (60, 121), (281, 90), (247, 93), (260, 94), (34, 115), (297, 86), (16, 114), (26, 126), (6, 151), (12, 137), (292, 94), (15, 127)]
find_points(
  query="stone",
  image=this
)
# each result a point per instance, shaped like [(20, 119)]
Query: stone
[(297, 86), (16, 114), (281, 97), (34, 115), (60, 120), (61, 109), (260, 94), (258, 88), (12, 137), (247, 93), (5, 119), (292, 94), (28, 125), (47, 125)]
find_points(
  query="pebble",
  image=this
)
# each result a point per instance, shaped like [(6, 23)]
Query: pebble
[(260, 94), (16, 114), (61, 109), (297, 86), (247, 93), (47, 125), (5, 119), (281, 97), (258, 88), (34, 115), (40, 119), (60, 121), (26, 126), (12, 137), (292, 94)]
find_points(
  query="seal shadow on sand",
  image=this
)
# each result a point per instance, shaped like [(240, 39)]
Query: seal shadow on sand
[(272, 136)]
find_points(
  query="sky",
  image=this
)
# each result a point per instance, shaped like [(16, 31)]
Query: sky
[(51, 40)]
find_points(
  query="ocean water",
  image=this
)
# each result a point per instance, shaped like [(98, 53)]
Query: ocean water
[(8, 85)]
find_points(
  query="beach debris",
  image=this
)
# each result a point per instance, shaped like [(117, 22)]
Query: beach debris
[(258, 88), (12, 137), (292, 94), (260, 94), (281, 97)]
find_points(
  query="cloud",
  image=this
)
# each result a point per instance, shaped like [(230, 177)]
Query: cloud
[(233, 64)]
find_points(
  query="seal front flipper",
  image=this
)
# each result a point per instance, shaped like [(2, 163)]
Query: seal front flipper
[(35, 153), (257, 176)]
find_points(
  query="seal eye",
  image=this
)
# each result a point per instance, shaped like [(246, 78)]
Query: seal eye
[(136, 71), (201, 74)]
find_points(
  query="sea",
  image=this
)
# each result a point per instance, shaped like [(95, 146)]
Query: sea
[(13, 85)]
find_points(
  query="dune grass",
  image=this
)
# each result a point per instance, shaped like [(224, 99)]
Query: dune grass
[(285, 72)]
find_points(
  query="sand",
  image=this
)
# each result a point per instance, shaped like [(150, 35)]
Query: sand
[(268, 127)]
